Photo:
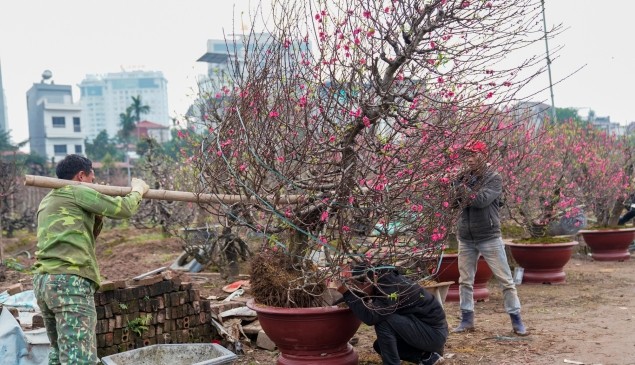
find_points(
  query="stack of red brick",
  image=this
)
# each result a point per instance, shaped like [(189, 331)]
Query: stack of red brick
[(169, 310)]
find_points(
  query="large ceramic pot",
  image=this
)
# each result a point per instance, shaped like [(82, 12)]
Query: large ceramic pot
[(609, 244), (449, 271), (542, 263), (310, 335), (439, 290)]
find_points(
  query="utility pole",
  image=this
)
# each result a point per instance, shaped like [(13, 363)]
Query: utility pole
[(544, 27)]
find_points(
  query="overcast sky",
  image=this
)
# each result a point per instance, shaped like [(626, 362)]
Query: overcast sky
[(73, 38)]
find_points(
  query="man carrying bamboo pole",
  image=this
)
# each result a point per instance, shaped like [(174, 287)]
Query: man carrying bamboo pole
[(66, 272)]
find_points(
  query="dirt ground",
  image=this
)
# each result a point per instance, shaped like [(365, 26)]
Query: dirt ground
[(588, 320)]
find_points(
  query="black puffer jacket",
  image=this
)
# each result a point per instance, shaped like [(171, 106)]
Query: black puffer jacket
[(395, 293), (480, 219)]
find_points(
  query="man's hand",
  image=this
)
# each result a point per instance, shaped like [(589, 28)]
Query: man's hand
[(340, 286), (139, 186), (334, 283)]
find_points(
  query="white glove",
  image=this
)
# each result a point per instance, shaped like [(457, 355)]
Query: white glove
[(139, 186)]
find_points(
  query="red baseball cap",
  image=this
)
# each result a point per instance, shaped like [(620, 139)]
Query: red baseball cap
[(476, 147)]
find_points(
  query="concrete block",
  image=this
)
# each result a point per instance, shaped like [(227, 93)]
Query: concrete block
[(194, 295), (107, 310), (109, 285), (263, 341), (15, 289), (101, 340), (169, 275), (252, 328), (109, 339), (117, 335), (38, 321), (100, 312)]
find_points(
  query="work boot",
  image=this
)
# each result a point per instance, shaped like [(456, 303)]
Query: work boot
[(431, 358), (467, 322), (517, 325)]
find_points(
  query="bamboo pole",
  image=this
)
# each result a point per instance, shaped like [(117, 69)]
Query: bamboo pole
[(158, 194)]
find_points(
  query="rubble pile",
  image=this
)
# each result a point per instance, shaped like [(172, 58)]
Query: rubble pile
[(159, 307)]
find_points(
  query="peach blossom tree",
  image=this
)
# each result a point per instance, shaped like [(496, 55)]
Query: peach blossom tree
[(564, 171), (603, 161), (539, 173), (339, 126)]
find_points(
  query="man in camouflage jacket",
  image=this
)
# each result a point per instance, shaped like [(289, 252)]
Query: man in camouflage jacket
[(66, 272)]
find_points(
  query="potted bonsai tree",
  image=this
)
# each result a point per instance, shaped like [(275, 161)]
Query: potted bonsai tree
[(603, 177), (538, 168), (342, 120)]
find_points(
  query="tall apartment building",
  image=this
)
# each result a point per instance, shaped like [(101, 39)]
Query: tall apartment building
[(3, 106), (221, 57), (225, 60), (55, 125), (104, 97)]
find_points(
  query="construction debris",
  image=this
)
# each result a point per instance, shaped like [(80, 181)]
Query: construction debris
[(158, 307)]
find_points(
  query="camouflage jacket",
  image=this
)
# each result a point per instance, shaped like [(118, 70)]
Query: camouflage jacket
[(67, 228)]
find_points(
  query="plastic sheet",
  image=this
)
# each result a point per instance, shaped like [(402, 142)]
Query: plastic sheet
[(24, 301), (18, 347)]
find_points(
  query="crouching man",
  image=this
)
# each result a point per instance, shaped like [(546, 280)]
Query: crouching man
[(409, 321)]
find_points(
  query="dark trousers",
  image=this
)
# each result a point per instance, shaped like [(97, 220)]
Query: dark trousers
[(626, 217), (404, 337)]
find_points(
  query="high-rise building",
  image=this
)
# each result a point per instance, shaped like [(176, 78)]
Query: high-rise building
[(104, 98), (55, 125), (226, 64), (225, 58), (3, 106)]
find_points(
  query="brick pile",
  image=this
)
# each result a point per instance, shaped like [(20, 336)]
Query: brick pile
[(174, 311)]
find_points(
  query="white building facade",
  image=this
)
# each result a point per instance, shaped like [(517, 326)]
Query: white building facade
[(105, 97), (55, 124), (3, 107)]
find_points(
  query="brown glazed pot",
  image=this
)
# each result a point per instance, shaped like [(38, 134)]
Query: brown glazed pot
[(449, 271), (310, 335), (610, 244), (543, 263)]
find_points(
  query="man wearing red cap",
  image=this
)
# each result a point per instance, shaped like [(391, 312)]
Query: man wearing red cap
[(478, 192)]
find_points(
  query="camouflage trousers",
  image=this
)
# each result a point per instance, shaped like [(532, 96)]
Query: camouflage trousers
[(68, 307)]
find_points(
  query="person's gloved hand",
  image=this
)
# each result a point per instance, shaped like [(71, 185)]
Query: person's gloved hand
[(139, 185)]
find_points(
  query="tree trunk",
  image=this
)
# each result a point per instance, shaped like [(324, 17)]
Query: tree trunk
[(298, 246), (615, 214)]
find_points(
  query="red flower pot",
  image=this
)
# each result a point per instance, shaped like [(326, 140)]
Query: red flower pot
[(610, 244), (542, 263), (449, 271), (310, 335)]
